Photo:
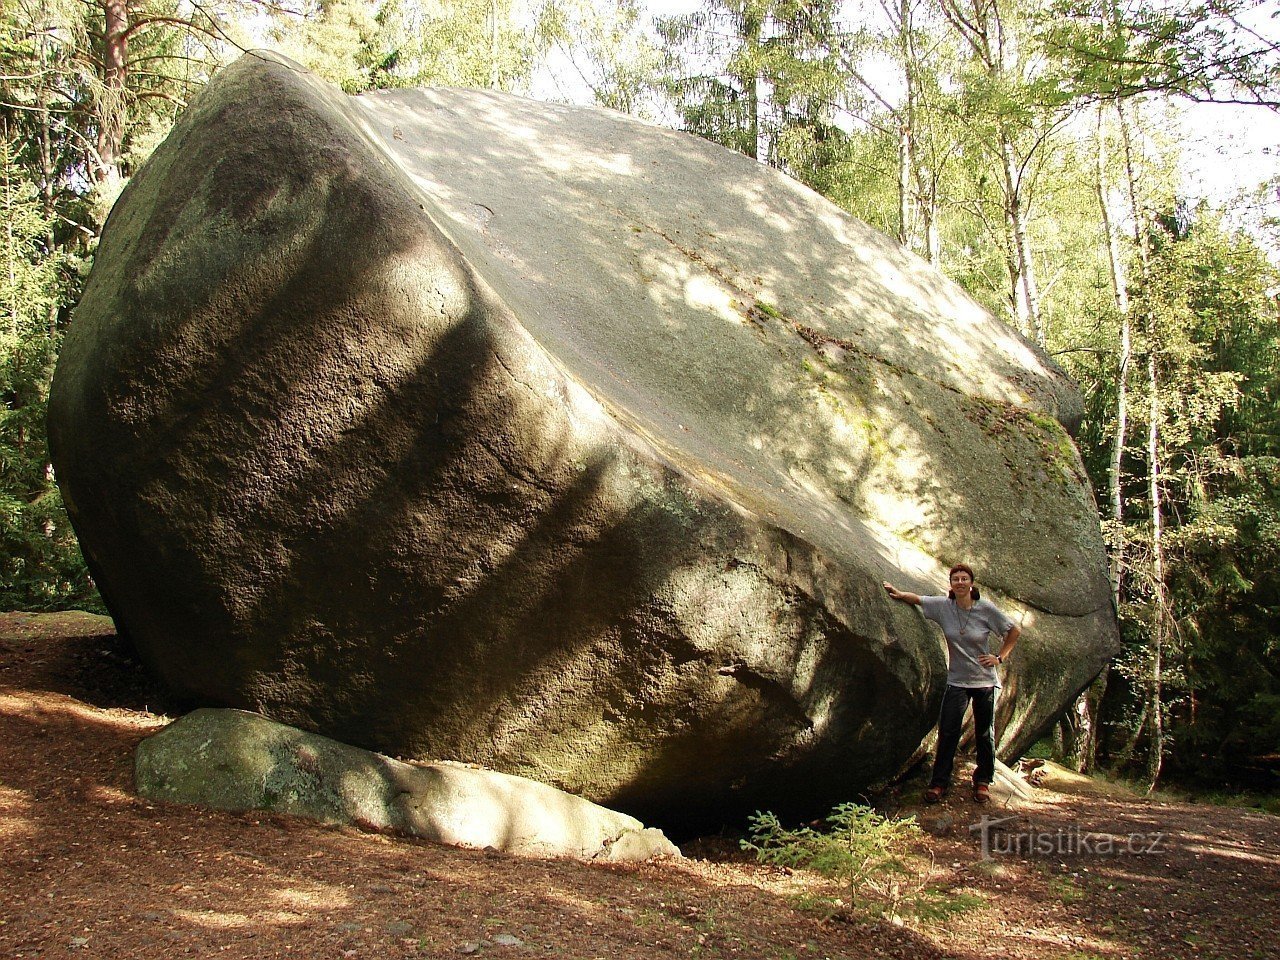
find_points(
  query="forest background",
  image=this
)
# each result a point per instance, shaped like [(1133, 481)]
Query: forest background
[(1027, 148)]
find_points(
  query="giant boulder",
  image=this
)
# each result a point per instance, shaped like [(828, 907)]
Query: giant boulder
[(460, 426)]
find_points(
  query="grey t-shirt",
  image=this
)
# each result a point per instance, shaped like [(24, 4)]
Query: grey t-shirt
[(968, 633)]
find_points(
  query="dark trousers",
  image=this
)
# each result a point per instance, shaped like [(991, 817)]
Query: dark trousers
[(950, 722)]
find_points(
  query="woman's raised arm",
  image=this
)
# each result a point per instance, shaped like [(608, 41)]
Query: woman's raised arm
[(913, 598)]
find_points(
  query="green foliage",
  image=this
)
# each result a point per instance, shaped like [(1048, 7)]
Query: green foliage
[(758, 76), (854, 172), (360, 46), (1043, 749), (768, 309), (608, 50), (1210, 51), (1210, 321), (337, 39), (1065, 889), (1263, 802), (40, 562), (938, 906), (1220, 348), (863, 851)]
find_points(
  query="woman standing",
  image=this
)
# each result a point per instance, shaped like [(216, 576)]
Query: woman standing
[(968, 621)]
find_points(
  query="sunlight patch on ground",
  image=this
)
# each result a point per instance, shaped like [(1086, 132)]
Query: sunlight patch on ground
[(16, 811), (17, 705), (1069, 944), (101, 793), (316, 898), (1229, 851), (58, 707), (566, 898), (218, 919)]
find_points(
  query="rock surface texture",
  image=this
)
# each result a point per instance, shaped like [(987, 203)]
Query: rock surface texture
[(460, 426), (233, 760)]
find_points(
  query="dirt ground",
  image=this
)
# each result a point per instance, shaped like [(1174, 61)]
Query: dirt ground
[(90, 870)]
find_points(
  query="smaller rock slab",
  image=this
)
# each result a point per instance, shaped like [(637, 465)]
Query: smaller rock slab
[(235, 760)]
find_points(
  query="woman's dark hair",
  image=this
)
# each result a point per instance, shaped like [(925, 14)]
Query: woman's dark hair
[(963, 568)]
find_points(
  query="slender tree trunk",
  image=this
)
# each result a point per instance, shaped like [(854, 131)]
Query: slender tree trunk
[(1137, 207), (1120, 290), (47, 187), (1115, 488), (1017, 300), (45, 150), (981, 25), (753, 118), (904, 184), (11, 253), (752, 33), (1153, 708), (115, 73), (494, 77), (1126, 752), (932, 238), (927, 183), (1089, 705), (1028, 288), (906, 122), (1155, 694), (11, 259)]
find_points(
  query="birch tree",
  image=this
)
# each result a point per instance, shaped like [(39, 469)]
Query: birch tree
[(1013, 122)]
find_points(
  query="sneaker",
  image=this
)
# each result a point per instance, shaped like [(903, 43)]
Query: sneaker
[(934, 794), (981, 793)]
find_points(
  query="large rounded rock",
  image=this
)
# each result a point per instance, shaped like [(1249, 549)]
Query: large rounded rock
[(456, 425), (233, 760)]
